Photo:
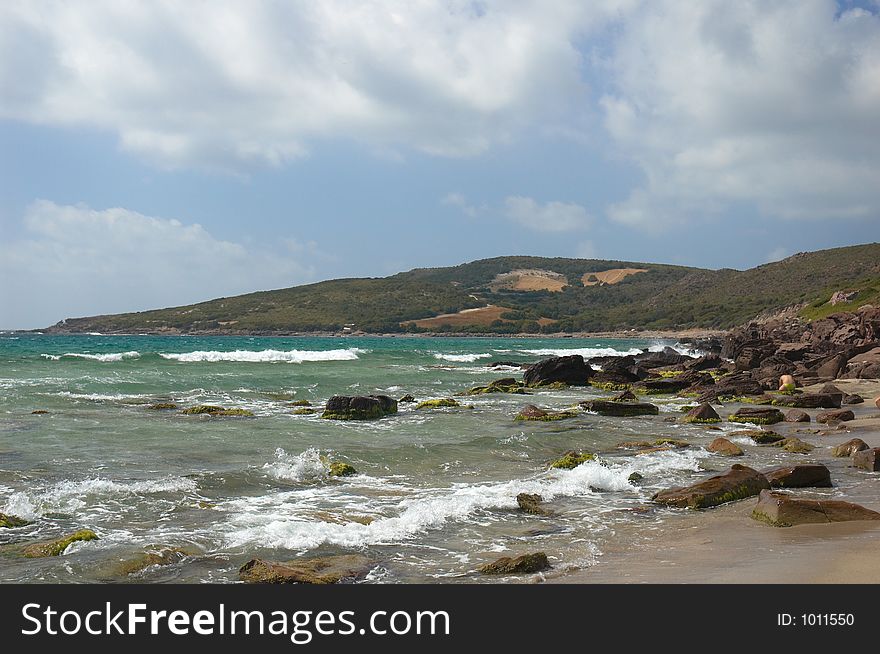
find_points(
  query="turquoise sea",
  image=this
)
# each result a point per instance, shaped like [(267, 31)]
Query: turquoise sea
[(435, 493)]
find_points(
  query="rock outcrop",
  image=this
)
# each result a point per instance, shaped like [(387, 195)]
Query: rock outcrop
[(569, 370), (784, 510)]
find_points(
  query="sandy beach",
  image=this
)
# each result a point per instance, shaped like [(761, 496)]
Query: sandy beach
[(725, 545)]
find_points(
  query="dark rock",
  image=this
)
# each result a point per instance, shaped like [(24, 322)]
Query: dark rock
[(635, 478), (796, 415), (11, 521), (867, 459), (620, 409), (162, 406), (406, 399), (524, 564), (760, 436), (812, 475), (532, 504), (611, 380), (57, 546), (506, 385), (343, 407), (832, 366), (757, 416), (707, 362), (855, 398), (506, 364), (865, 365), (320, 570), (703, 414), (571, 370), (834, 392), (839, 415), (725, 447), (808, 401), (850, 447), (626, 396), (738, 483), (784, 510)]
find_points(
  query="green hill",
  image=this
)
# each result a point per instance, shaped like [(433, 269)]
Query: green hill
[(527, 294)]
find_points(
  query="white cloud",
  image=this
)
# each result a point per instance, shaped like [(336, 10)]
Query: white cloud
[(549, 217), (231, 84), (77, 261), (455, 199), (774, 105)]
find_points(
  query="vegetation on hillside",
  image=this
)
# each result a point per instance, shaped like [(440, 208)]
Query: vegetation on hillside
[(664, 297)]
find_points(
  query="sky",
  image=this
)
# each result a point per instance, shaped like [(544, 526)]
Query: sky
[(161, 153)]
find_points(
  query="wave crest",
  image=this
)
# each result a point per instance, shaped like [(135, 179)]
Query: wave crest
[(265, 356)]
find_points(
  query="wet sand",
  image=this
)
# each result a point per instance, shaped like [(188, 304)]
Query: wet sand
[(725, 545)]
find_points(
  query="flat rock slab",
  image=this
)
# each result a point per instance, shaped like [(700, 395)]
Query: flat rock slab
[(320, 570), (738, 483), (620, 409), (813, 475), (524, 564), (757, 416), (867, 459), (809, 401), (784, 510)]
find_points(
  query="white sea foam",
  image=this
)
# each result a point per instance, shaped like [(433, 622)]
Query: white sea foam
[(100, 397), (105, 358), (265, 356), (463, 358), (274, 525), (296, 467), (586, 352), (70, 496)]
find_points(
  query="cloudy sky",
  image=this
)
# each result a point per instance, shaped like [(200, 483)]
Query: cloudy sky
[(161, 153)]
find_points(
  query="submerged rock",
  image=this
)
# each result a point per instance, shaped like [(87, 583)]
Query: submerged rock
[(760, 436), (11, 521), (850, 447), (39, 412), (524, 564), (158, 557), (371, 407), (867, 459), (620, 409), (406, 399), (57, 546), (442, 403), (572, 459), (757, 416), (796, 415), (340, 469), (813, 475), (506, 385), (840, 415), (319, 570), (571, 370), (703, 414), (532, 504), (300, 403), (784, 510), (738, 483), (211, 410), (794, 445), (531, 412), (305, 411), (725, 447), (162, 406)]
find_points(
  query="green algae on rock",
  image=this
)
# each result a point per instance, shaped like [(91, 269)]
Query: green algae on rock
[(340, 469), (523, 564), (371, 407), (532, 413), (440, 403), (57, 546), (162, 406), (757, 416), (11, 521), (738, 483), (317, 570), (572, 459), (703, 414)]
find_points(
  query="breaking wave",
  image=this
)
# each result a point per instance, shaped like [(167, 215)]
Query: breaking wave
[(105, 358), (462, 358), (265, 356)]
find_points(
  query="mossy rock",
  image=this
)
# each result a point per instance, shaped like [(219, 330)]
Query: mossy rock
[(154, 557), (303, 412), (202, 409), (611, 387), (507, 385), (300, 403), (794, 445), (340, 469), (39, 412), (162, 406), (525, 564), (756, 416), (760, 436), (240, 413), (441, 403), (552, 386), (57, 546), (572, 459), (533, 413), (660, 442), (11, 521)]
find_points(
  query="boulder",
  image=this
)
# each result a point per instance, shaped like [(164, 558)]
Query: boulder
[(834, 392), (725, 447), (813, 475), (832, 366), (531, 412), (867, 459), (785, 510), (620, 409), (524, 564), (757, 416), (529, 503), (855, 398), (794, 445), (703, 414), (11, 521), (340, 469), (319, 570), (809, 401), (359, 407), (850, 447), (439, 403), (57, 546), (838, 415), (571, 370), (796, 415), (738, 483), (760, 436)]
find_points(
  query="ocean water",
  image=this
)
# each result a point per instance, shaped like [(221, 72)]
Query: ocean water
[(434, 497)]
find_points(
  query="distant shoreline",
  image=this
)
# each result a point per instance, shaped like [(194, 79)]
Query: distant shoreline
[(621, 334)]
